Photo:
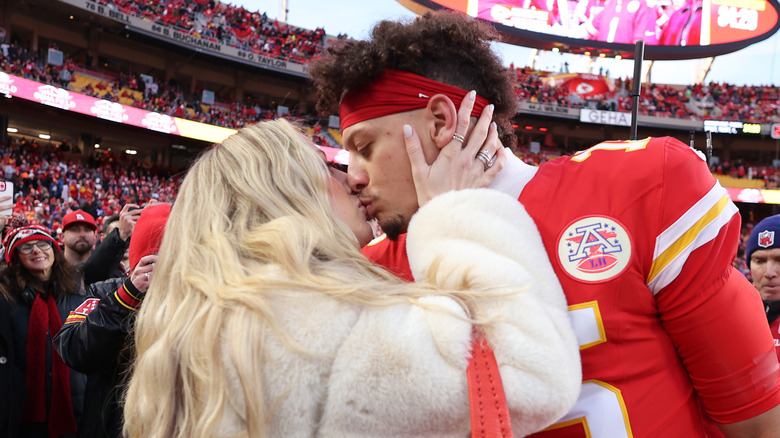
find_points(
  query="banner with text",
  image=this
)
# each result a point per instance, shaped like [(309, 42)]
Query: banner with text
[(193, 42), (605, 117), (553, 110), (116, 112)]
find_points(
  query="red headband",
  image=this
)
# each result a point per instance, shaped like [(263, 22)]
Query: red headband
[(396, 91)]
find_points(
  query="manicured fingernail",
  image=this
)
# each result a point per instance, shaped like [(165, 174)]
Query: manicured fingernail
[(493, 124), (491, 107), (407, 131), (472, 94)]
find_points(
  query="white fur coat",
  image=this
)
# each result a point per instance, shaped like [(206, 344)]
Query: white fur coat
[(400, 371)]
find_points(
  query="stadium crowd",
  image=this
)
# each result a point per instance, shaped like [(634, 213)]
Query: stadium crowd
[(230, 25), (50, 182), (145, 92), (696, 102)]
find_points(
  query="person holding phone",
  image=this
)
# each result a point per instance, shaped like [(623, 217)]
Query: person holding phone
[(106, 260)]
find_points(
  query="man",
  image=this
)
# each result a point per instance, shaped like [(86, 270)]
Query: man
[(683, 27), (95, 337), (78, 236), (763, 255), (110, 223), (624, 22), (639, 233), (115, 240), (105, 260), (90, 205)]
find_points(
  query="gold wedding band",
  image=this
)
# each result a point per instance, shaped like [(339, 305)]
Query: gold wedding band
[(458, 137)]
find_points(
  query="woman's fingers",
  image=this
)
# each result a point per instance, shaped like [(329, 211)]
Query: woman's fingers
[(142, 274), (462, 163), (464, 117)]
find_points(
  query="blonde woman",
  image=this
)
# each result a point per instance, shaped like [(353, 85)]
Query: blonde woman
[(264, 319)]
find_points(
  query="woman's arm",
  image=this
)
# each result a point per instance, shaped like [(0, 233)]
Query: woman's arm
[(484, 240)]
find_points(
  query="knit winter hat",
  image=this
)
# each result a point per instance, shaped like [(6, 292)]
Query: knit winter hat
[(23, 234), (766, 234), (148, 232)]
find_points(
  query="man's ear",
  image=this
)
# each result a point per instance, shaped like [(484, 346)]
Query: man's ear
[(443, 119)]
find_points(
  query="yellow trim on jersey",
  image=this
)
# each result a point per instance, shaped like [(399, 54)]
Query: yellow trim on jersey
[(588, 322), (679, 246), (602, 417), (377, 239), (613, 145), (699, 225)]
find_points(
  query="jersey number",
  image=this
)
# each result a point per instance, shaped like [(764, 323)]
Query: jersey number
[(627, 146), (600, 412)]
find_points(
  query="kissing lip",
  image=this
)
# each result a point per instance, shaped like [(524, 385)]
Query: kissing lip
[(367, 205)]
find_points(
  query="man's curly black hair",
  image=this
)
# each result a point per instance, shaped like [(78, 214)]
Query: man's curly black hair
[(445, 46)]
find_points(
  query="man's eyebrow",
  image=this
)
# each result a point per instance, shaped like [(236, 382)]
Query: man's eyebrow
[(357, 135)]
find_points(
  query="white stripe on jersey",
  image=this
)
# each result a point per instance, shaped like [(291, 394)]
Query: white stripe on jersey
[(699, 225)]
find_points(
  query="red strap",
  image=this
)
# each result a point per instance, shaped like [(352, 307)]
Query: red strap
[(489, 411)]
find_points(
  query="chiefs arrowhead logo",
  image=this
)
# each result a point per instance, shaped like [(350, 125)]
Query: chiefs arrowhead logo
[(584, 88)]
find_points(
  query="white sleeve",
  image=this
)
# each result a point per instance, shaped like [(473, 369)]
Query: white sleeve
[(484, 240)]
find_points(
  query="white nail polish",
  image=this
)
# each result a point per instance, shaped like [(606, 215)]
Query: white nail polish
[(407, 131)]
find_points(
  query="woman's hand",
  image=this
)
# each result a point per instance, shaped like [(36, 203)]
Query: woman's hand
[(463, 163), (142, 274)]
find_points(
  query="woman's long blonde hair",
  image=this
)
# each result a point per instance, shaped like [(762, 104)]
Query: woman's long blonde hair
[(257, 200)]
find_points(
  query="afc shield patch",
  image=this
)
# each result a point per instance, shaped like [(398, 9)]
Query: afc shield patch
[(594, 249), (766, 239)]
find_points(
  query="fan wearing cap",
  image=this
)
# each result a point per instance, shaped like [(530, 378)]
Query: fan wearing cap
[(41, 288), (762, 253), (78, 236), (96, 334)]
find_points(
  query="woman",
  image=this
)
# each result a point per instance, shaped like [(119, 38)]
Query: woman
[(264, 319), (40, 288)]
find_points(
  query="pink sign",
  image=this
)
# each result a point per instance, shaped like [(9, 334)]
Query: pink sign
[(80, 103), (752, 196)]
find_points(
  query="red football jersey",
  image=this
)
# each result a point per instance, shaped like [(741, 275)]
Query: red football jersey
[(775, 328), (642, 238), (391, 255)]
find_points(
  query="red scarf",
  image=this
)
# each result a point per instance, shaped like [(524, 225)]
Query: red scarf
[(45, 320)]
